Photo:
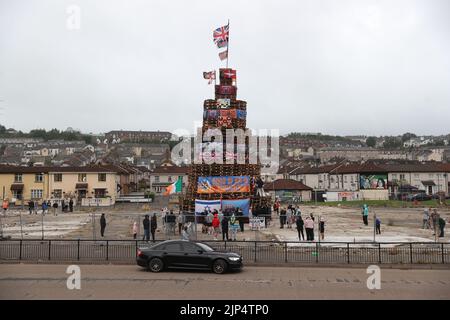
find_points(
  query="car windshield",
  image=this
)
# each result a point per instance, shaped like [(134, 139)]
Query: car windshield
[(205, 247)]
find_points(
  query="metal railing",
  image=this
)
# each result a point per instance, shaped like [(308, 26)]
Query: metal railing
[(253, 252)]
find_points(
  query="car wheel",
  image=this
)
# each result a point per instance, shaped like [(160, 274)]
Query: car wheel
[(155, 265), (219, 266)]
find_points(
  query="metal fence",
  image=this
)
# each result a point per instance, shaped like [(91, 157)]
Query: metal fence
[(253, 252)]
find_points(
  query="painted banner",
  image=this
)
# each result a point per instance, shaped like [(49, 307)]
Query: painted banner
[(229, 206), (223, 184), (241, 114), (223, 103), (373, 181), (221, 89), (202, 205)]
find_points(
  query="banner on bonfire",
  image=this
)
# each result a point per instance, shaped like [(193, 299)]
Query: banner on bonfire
[(229, 206), (206, 205), (223, 184)]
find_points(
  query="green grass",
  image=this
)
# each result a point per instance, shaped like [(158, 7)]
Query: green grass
[(377, 203)]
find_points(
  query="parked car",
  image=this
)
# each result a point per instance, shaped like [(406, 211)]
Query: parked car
[(183, 254), (419, 197)]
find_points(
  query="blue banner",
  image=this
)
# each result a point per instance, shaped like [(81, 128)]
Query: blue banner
[(231, 205)]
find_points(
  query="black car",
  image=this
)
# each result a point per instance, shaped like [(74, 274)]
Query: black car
[(419, 197), (183, 254)]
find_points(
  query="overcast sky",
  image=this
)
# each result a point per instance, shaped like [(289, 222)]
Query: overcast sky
[(336, 67)]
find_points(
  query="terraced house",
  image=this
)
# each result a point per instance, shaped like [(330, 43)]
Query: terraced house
[(89, 185)]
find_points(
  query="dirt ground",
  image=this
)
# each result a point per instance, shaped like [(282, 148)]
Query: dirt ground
[(342, 224)]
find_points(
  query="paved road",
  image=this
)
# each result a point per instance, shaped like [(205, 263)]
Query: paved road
[(28, 281)]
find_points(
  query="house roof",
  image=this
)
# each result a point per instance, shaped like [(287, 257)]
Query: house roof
[(428, 183), (170, 170), (57, 169), (285, 184)]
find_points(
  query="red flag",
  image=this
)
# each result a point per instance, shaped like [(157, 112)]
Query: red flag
[(223, 55), (230, 74)]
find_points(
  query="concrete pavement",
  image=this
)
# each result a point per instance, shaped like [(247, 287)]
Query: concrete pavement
[(28, 281)]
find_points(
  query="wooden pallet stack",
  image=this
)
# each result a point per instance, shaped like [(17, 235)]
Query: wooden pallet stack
[(226, 89)]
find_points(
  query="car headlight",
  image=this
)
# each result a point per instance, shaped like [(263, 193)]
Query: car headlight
[(234, 258)]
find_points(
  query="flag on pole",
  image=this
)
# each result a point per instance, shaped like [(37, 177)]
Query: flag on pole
[(174, 187), (223, 55), (230, 74), (211, 75), (220, 35)]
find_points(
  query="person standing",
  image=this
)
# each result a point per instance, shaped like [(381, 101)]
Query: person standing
[(300, 223), (378, 225), (309, 228), (241, 219), (102, 225), (185, 234), (234, 227), (365, 214), (63, 205), (259, 187), (224, 225), (135, 230), (31, 206), (180, 221), (289, 217), (153, 226), (216, 225), (55, 207), (425, 219), (5, 206), (441, 223), (71, 205), (282, 217), (44, 207), (146, 224), (322, 228), (434, 220)]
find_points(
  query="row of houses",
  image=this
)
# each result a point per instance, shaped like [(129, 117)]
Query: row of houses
[(102, 183), (370, 180)]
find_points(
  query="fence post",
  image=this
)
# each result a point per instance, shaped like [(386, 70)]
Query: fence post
[(107, 250), (285, 252), (49, 248), (348, 253), (255, 251), (442, 251), (317, 252), (78, 250), (20, 250), (136, 248), (411, 253), (379, 252)]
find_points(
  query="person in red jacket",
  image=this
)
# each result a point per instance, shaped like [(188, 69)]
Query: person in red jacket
[(216, 225)]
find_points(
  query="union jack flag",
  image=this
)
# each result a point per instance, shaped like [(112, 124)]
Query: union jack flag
[(220, 36)]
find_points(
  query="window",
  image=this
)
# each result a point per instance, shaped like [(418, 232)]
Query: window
[(402, 176), (102, 177), (173, 247), (190, 247), (36, 193), (38, 177), (17, 194), (345, 179), (169, 179), (394, 176), (57, 177), (156, 178), (100, 193), (18, 177), (82, 177), (57, 193)]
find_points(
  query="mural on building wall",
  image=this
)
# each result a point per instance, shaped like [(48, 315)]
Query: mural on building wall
[(373, 181)]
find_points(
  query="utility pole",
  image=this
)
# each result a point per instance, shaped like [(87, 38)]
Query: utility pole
[(374, 225)]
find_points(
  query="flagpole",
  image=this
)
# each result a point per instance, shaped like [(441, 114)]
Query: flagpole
[(228, 42)]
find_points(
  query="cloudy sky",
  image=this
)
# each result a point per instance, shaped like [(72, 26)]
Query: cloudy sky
[(337, 67)]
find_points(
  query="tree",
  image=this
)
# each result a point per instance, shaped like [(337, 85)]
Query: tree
[(408, 136), (392, 143), (371, 141)]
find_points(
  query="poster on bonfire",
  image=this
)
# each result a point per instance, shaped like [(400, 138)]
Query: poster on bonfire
[(223, 184)]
